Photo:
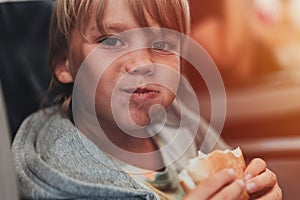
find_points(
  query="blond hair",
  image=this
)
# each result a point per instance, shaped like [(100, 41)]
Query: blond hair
[(70, 15)]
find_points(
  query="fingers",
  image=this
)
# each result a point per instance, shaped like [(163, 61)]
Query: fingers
[(265, 180), (213, 184), (232, 191), (274, 194), (255, 167), (261, 182)]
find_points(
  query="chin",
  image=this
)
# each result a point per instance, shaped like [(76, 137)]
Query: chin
[(136, 122), (141, 120)]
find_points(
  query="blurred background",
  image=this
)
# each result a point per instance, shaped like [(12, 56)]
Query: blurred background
[(256, 47), (255, 44)]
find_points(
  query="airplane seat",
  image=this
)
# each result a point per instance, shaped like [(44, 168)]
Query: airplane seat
[(24, 56)]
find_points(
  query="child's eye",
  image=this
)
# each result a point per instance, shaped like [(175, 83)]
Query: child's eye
[(160, 45), (164, 46), (111, 42)]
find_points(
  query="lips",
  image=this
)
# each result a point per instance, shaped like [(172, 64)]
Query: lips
[(140, 94), (143, 91)]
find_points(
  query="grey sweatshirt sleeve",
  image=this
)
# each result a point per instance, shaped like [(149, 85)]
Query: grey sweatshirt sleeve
[(55, 161)]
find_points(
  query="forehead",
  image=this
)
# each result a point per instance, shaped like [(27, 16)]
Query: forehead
[(120, 15), (123, 15), (116, 9)]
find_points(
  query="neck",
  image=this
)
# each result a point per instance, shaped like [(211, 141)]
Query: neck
[(136, 145), (142, 144)]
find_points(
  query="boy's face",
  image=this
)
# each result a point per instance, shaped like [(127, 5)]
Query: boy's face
[(131, 73)]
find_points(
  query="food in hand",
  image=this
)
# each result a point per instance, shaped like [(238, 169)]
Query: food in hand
[(205, 165)]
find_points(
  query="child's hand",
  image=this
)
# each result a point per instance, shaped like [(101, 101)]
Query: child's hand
[(222, 185), (261, 182)]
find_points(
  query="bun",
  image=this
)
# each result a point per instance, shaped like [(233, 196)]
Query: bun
[(205, 165)]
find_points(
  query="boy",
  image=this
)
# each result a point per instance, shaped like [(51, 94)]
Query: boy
[(56, 160)]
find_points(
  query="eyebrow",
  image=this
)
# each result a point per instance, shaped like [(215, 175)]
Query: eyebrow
[(112, 26)]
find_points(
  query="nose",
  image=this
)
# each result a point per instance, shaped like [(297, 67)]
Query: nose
[(140, 63)]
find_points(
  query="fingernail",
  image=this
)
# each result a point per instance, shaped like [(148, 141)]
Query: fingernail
[(241, 182), (248, 176), (231, 172), (250, 187)]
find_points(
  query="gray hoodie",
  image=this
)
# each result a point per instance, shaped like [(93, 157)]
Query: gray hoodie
[(54, 160)]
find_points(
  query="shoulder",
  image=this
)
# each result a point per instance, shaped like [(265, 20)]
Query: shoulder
[(55, 140), (41, 129), (54, 159)]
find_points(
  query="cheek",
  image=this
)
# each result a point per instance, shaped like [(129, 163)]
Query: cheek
[(108, 82), (169, 97), (169, 67), (103, 95), (173, 80), (172, 61), (176, 67), (79, 54), (102, 101), (105, 88)]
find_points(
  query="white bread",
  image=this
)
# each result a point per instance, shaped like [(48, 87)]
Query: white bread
[(205, 165)]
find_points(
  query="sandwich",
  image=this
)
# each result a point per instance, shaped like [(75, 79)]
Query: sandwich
[(205, 165)]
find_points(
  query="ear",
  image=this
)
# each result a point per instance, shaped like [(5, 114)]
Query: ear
[(63, 71)]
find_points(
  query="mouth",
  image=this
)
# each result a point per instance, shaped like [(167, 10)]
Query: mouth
[(140, 91), (141, 94)]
